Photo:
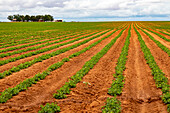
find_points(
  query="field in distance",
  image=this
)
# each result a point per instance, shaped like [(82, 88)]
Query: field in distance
[(79, 67)]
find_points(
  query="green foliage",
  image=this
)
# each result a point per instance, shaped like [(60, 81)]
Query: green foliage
[(157, 34), (7, 94), (26, 32), (34, 39), (3, 62), (117, 85), (10, 17), (50, 108), (166, 98), (165, 33), (33, 48), (112, 106), (31, 18), (45, 56), (160, 80), (10, 92), (85, 69), (164, 48)]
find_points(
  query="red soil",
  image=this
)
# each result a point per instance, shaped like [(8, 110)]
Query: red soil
[(140, 94), (40, 93), (11, 64)]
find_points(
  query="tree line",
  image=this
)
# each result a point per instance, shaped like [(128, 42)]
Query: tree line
[(27, 18)]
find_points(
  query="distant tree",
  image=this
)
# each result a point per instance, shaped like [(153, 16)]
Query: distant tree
[(22, 17), (27, 18), (10, 17), (17, 17), (51, 18), (47, 18), (39, 17), (33, 18)]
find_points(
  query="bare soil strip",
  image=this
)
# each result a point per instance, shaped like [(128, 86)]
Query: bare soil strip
[(90, 94), (161, 58), (168, 37), (11, 64), (166, 32), (165, 43), (140, 94), (40, 93)]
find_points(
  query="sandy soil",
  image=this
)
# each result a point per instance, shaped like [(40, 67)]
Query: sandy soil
[(140, 94), (162, 41), (30, 100), (91, 98), (11, 64), (16, 55), (161, 57), (37, 44)]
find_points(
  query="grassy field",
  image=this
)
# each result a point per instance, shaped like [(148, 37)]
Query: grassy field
[(92, 67)]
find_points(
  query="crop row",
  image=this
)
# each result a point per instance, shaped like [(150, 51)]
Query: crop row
[(23, 41), (13, 43), (112, 104), (165, 33), (158, 34), (82, 72), (164, 48), (41, 51), (36, 37), (65, 89), (37, 47), (10, 92), (159, 77), (47, 56), (41, 42)]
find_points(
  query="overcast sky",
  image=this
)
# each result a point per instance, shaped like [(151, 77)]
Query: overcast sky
[(89, 10)]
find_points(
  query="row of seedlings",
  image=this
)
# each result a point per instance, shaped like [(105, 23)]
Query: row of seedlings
[(159, 77), (41, 42), (164, 48), (37, 47), (10, 92), (14, 43), (47, 56), (157, 34), (165, 33), (113, 105), (13, 59), (65, 89)]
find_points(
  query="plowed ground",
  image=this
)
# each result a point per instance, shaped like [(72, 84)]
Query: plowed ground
[(139, 95)]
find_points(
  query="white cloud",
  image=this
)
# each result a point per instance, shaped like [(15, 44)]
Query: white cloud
[(88, 9)]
